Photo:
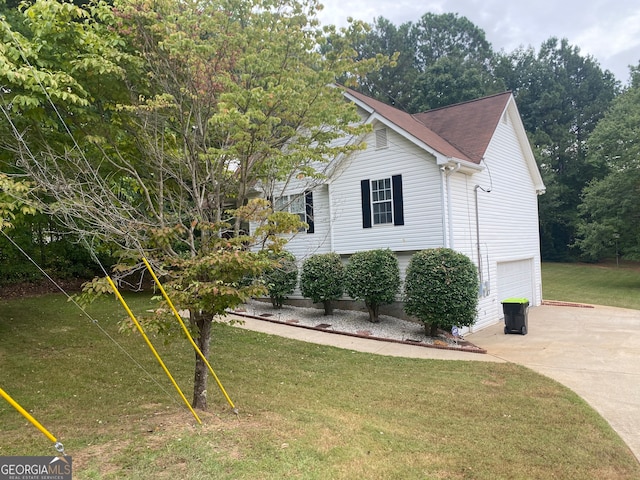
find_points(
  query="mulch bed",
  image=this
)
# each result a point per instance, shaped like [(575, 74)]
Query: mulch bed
[(40, 287)]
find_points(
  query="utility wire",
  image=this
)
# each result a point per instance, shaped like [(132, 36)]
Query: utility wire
[(88, 315)]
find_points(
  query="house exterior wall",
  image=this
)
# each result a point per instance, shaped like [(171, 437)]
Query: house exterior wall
[(422, 205), (508, 219), (439, 210)]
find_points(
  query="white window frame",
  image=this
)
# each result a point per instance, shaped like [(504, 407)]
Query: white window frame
[(294, 204), (382, 201)]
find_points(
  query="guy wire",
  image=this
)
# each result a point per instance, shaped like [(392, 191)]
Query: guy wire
[(88, 315)]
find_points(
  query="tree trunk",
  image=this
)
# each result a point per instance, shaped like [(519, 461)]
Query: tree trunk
[(328, 307), (374, 312), (431, 329), (203, 323)]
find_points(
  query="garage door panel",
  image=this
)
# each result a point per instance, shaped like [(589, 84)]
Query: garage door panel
[(515, 279)]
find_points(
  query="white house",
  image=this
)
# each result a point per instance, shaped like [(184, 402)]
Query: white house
[(462, 177)]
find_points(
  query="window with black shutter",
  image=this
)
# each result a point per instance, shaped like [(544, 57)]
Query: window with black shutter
[(382, 201)]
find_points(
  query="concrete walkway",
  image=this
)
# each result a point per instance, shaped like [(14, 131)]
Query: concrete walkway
[(593, 351)]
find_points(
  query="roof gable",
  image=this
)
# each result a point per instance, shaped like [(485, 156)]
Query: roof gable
[(468, 126), (461, 132), (410, 124)]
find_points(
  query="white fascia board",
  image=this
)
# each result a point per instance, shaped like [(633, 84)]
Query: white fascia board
[(463, 166), (529, 157), (358, 102)]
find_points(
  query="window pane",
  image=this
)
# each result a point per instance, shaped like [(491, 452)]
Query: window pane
[(382, 213), (281, 204), (381, 201), (297, 204)]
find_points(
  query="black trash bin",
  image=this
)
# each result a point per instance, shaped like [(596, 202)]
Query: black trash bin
[(515, 315)]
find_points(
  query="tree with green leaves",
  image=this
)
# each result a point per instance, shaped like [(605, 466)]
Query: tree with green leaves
[(455, 62), (611, 205), (441, 289), (440, 60), (150, 125), (373, 276), (392, 84)]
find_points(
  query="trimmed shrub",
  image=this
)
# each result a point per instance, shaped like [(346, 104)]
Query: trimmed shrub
[(322, 279), (282, 278), (441, 289), (374, 277)]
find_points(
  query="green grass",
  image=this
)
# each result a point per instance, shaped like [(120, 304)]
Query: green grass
[(599, 284), (306, 411)]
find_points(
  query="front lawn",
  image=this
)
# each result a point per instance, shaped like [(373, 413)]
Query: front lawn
[(599, 284), (306, 411)]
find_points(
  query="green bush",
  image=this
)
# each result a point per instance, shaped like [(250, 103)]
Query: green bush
[(48, 245), (441, 289), (322, 279), (282, 278), (374, 277)]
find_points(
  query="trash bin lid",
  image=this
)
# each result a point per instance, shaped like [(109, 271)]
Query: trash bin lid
[(515, 300)]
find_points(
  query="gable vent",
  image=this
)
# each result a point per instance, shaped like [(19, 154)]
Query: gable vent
[(381, 138)]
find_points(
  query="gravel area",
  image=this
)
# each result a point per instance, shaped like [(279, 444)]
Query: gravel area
[(353, 323)]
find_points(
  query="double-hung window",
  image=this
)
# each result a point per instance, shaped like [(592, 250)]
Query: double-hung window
[(382, 201), (298, 204)]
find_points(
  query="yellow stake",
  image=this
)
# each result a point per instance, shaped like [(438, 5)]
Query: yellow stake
[(186, 331), (155, 353), (33, 421)]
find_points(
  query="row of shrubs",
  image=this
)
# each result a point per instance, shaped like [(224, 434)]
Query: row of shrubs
[(440, 288)]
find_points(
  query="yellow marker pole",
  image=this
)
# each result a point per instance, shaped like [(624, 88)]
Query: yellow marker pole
[(33, 421), (150, 345), (186, 331)]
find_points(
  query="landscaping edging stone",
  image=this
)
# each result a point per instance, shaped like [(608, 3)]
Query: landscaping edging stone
[(462, 345)]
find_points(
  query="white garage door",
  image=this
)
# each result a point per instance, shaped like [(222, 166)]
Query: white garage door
[(515, 279)]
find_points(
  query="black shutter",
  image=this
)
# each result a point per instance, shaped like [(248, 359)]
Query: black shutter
[(398, 209), (365, 190), (308, 206)]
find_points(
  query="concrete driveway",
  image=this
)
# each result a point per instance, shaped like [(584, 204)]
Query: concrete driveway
[(594, 351)]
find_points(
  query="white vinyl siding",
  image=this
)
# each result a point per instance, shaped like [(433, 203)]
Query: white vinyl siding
[(422, 204), (508, 221)]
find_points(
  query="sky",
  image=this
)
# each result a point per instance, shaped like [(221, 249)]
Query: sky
[(608, 30)]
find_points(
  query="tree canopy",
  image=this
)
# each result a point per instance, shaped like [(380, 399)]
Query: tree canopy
[(441, 59), (561, 96), (611, 205), (148, 126)]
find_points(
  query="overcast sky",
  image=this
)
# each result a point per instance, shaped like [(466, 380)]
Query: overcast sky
[(609, 30)]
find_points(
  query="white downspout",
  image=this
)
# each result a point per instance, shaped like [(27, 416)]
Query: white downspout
[(480, 271), (331, 222), (445, 219), (450, 170), (475, 191)]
